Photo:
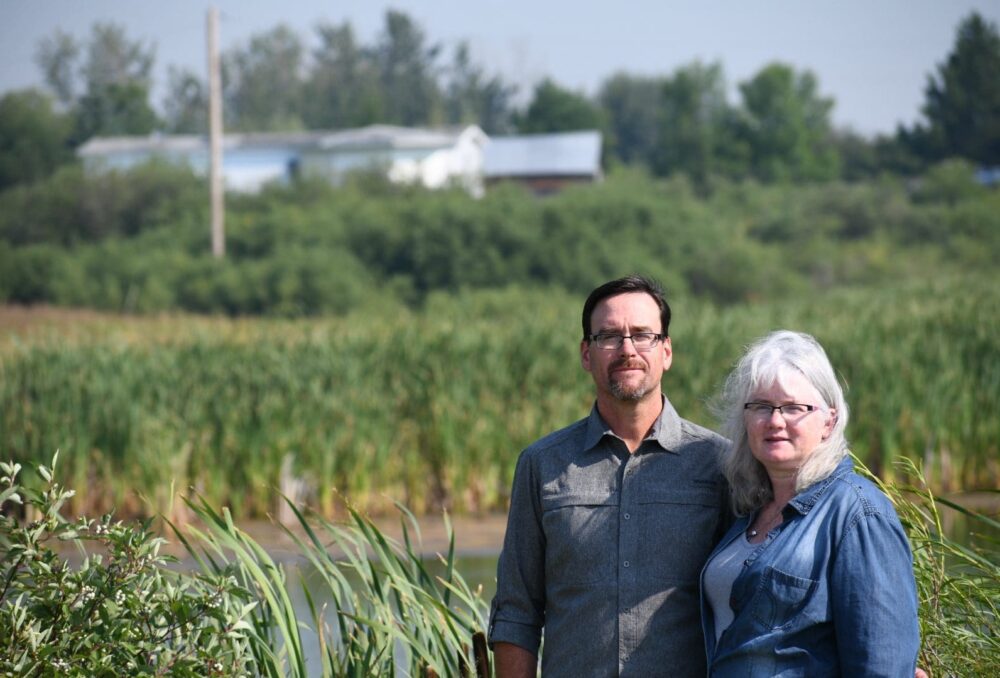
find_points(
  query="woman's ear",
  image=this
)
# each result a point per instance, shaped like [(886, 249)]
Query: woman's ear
[(831, 421)]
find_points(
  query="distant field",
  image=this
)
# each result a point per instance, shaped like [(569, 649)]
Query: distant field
[(431, 408)]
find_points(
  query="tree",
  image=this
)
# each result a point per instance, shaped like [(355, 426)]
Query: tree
[(109, 91), (57, 57), (692, 121), (554, 109), (262, 82), (118, 109), (859, 157), (632, 107), (34, 138), (342, 88), (113, 59), (408, 73), (786, 125), (963, 100), (474, 97), (186, 104)]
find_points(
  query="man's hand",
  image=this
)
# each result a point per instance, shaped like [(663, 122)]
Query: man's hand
[(920, 673), (513, 661)]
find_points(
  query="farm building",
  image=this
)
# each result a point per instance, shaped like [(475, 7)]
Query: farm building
[(544, 162), (433, 158)]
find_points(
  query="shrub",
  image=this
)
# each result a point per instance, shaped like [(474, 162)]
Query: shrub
[(120, 612)]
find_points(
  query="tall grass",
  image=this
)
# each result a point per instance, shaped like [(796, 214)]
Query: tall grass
[(385, 614), (431, 408), (958, 586)]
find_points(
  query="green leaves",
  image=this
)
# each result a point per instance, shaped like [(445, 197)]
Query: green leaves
[(120, 612)]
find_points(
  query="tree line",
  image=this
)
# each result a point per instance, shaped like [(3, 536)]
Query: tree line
[(676, 123), (138, 241)]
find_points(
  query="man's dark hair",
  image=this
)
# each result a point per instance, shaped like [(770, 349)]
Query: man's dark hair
[(630, 283)]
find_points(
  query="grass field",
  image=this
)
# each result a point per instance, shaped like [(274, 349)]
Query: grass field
[(431, 407)]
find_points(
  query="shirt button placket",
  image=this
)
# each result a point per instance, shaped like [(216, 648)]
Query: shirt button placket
[(627, 528)]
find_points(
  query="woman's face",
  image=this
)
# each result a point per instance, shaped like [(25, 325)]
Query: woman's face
[(782, 441)]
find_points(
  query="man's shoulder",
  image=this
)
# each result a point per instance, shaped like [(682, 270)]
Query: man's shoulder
[(693, 433), (570, 437)]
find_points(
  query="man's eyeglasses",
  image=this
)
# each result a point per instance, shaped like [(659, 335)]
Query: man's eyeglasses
[(789, 411), (643, 341)]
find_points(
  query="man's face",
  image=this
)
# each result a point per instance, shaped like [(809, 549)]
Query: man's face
[(624, 373)]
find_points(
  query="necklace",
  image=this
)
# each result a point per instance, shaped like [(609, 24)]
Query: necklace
[(765, 525)]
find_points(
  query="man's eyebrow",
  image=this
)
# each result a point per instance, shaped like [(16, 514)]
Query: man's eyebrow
[(631, 330)]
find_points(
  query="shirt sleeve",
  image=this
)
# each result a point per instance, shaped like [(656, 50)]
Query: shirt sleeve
[(518, 610), (874, 598)]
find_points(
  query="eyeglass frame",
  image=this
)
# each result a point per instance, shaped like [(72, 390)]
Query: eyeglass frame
[(759, 412), (656, 338)]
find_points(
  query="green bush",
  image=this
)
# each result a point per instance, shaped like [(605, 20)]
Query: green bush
[(120, 611)]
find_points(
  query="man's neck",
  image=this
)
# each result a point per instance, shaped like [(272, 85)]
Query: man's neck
[(630, 420)]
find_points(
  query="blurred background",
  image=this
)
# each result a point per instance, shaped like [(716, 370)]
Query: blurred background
[(420, 195)]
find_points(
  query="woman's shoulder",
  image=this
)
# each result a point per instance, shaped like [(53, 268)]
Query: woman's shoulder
[(856, 494)]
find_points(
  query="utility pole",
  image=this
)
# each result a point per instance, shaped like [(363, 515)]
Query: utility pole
[(215, 137)]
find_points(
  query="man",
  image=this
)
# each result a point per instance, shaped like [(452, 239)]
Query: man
[(612, 518)]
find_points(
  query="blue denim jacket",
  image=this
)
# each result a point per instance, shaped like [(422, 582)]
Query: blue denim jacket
[(829, 592)]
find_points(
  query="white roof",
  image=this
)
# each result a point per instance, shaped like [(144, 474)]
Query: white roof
[(177, 143), (391, 136), (557, 154), (364, 138)]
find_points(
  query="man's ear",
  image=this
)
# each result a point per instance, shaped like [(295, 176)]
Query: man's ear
[(585, 354)]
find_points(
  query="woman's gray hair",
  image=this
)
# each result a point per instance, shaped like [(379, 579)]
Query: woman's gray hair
[(767, 361)]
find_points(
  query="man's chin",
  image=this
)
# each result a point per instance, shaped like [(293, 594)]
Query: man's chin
[(629, 394)]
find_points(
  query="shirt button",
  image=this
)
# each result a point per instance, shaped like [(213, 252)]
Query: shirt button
[(626, 564), (627, 516)]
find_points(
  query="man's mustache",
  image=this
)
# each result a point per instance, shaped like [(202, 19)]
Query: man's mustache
[(628, 365)]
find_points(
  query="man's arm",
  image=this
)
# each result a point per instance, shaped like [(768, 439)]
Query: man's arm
[(518, 610), (513, 661)]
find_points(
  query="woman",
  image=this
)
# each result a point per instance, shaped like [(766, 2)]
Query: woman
[(816, 577)]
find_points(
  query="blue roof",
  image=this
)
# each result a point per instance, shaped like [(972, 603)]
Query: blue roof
[(532, 155)]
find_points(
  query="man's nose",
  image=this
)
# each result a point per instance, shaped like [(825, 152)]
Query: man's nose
[(628, 346)]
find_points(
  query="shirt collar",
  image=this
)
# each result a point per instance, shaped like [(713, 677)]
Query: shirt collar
[(807, 498), (666, 430)]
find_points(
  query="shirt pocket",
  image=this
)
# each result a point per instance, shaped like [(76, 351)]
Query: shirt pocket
[(678, 532), (581, 537), (780, 598)]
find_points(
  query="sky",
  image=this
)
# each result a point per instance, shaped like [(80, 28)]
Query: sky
[(872, 56)]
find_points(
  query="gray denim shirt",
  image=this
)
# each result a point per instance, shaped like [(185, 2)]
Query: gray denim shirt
[(603, 549)]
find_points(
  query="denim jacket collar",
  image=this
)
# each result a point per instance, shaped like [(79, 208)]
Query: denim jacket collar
[(804, 501)]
